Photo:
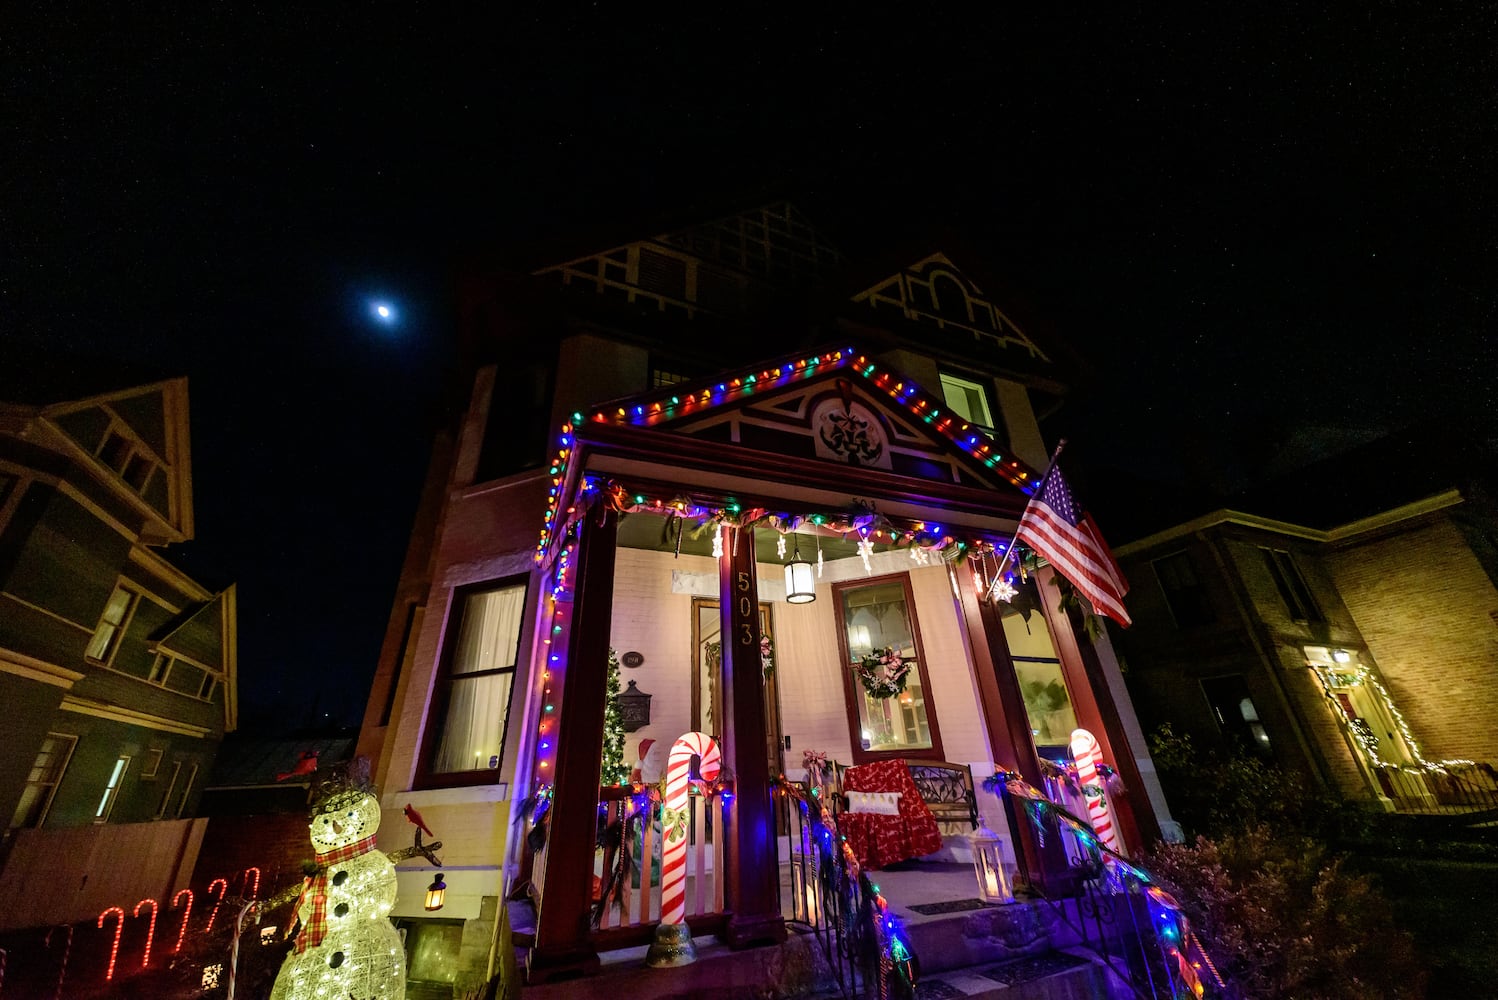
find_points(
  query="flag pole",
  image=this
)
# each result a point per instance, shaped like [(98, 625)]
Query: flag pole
[(1009, 549)]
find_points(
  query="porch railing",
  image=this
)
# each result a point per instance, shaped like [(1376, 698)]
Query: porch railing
[(629, 884), (1456, 788)]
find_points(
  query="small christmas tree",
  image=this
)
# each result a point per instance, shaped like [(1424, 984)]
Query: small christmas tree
[(615, 771)]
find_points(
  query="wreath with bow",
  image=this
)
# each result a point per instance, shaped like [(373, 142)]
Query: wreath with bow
[(883, 672)]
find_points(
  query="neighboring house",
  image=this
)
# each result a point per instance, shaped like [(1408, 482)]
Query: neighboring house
[(634, 401), (117, 670), (1343, 624)]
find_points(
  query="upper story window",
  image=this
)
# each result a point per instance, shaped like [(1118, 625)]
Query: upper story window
[(969, 399), (873, 617), (1291, 585), (128, 458), (471, 713), (111, 627), (1183, 591), (41, 785)]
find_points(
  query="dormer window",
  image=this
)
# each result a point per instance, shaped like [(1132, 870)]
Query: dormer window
[(968, 399), (128, 459)]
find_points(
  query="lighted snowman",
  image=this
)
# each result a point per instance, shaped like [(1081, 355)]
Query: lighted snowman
[(347, 946)]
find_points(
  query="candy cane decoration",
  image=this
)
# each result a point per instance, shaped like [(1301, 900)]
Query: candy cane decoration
[(119, 927), (674, 823), (151, 932), (62, 971), (186, 916), (255, 891), (1088, 755), (223, 887)]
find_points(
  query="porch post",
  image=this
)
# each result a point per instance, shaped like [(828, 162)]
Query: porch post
[(753, 868), (1008, 727), (563, 945)]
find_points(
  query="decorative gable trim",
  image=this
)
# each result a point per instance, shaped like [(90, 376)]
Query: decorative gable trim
[(934, 293)]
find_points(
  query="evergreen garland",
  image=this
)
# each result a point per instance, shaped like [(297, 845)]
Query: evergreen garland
[(615, 771)]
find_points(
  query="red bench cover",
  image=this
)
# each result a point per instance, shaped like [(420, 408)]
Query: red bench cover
[(876, 840)]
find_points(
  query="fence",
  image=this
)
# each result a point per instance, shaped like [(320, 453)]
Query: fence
[(1450, 789)]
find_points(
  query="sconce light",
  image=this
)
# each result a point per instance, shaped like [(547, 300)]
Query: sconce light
[(634, 708), (1341, 656), (800, 583), (436, 893), (988, 865)]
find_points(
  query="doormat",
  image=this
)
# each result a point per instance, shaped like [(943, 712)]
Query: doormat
[(950, 906), (1035, 967)]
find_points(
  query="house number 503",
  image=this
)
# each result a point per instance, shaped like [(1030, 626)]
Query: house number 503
[(746, 607)]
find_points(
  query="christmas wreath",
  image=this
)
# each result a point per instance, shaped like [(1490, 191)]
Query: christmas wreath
[(882, 672)]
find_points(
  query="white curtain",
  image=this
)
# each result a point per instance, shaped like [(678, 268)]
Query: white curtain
[(473, 732)]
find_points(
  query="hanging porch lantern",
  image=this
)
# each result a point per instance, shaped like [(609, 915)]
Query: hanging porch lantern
[(436, 893), (800, 583), (988, 865), (634, 708)]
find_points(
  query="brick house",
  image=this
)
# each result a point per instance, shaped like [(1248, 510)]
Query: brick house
[(1348, 632), (731, 397), (117, 670)]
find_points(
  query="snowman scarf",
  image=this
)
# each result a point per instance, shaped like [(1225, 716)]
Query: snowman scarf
[(316, 926)]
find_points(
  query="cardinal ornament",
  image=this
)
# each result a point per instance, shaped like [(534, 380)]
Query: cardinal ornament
[(347, 945)]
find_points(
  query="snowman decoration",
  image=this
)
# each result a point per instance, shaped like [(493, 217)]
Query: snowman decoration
[(347, 946)]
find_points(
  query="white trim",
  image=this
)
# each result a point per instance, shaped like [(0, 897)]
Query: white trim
[(86, 629), (31, 668), (496, 792), (129, 716)]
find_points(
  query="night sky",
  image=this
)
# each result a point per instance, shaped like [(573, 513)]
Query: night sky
[(1270, 231)]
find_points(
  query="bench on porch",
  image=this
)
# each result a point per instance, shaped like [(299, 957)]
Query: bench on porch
[(945, 798)]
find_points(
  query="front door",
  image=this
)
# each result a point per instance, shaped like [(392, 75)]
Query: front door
[(707, 678)]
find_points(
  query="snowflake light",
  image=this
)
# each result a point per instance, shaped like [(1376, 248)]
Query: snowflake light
[(1004, 590)]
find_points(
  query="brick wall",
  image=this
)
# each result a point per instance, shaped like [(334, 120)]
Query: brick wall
[(1424, 605)]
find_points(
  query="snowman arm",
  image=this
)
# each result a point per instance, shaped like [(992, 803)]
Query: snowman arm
[(420, 850)]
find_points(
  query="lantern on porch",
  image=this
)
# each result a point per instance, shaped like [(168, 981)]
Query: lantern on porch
[(436, 893), (988, 865), (800, 583), (634, 708)]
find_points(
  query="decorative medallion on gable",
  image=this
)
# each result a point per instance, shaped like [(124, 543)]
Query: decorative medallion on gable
[(933, 293)]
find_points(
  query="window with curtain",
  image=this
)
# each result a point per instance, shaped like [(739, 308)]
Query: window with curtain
[(480, 676), (875, 617)]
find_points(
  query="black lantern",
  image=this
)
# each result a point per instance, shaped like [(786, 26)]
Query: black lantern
[(634, 708), (436, 893)]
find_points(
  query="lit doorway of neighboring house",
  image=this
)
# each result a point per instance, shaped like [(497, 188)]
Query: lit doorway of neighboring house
[(707, 678), (1236, 715), (1367, 718)]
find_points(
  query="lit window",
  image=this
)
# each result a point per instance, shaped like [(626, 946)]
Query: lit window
[(111, 625), (876, 617), (1048, 705), (470, 731), (968, 398), (112, 789), (41, 784)]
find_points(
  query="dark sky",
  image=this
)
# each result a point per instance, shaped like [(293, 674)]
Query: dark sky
[(1265, 227)]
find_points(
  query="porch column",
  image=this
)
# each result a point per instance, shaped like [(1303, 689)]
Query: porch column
[(1098, 713), (753, 870), (1008, 729), (563, 945)]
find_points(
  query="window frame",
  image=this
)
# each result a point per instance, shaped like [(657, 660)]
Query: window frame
[(192, 775), (436, 720), (164, 804), (113, 647), (1295, 593), (985, 388), (850, 686), (112, 787), (67, 758), (1205, 605)]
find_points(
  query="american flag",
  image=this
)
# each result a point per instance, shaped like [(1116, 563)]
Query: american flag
[(1056, 528)]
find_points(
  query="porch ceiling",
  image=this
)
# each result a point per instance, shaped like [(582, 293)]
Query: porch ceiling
[(644, 531)]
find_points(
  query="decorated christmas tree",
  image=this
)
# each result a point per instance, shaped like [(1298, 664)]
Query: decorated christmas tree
[(615, 771)]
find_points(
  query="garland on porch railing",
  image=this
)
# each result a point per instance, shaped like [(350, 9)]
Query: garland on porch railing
[(1180, 941), (895, 957)]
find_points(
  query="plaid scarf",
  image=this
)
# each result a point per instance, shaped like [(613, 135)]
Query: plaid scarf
[(316, 926)]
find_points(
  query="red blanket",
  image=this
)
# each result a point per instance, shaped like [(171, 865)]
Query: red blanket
[(876, 840)]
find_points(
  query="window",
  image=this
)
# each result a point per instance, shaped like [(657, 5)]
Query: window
[(171, 787), (877, 616), (112, 789), (969, 399), (41, 785), (192, 775), (111, 627), (1042, 683), (470, 731), (152, 764), (133, 465), (1234, 712), (1291, 585), (415, 616), (1183, 592)]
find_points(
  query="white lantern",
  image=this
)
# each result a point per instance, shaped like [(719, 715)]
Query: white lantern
[(988, 865), (800, 583)]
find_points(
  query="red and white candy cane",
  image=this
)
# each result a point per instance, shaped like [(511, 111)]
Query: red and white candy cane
[(1088, 755), (674, 825)]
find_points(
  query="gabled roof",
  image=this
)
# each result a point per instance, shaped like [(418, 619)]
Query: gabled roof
[(207, 637), (136, 440), (837, 406)]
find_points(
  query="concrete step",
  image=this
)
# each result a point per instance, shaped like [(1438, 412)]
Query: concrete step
[(985, 935), (1052, 975)]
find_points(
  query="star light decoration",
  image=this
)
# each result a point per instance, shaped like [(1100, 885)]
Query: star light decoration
[(1004, 590)]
